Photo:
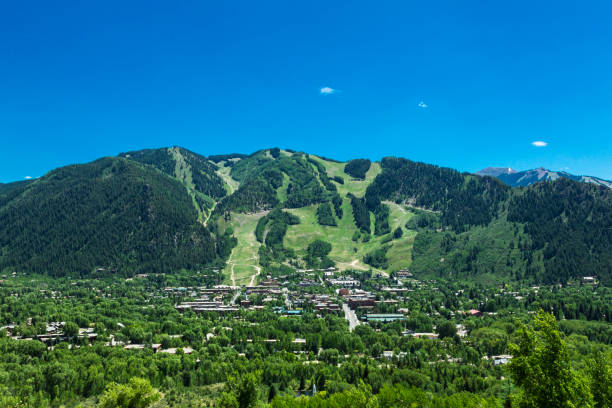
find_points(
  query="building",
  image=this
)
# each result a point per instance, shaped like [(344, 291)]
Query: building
[(430, 336), (385, 317), (501, 359), (201, 306), (365, 302), (403, 274), (344, 282)]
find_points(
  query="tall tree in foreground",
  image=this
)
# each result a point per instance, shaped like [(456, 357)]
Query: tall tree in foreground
[(138, 393), (599, 370), (541, 368)]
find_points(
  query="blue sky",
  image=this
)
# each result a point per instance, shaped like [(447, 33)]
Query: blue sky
[(460, 84)]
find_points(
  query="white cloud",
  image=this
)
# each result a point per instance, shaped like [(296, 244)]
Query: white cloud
[(28, 177), (326, 90), (539, 143), (422, 105)]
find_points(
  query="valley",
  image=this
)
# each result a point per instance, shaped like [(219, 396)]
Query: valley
[(285, 279)]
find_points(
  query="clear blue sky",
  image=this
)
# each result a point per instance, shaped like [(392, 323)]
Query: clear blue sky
[(85, 79)]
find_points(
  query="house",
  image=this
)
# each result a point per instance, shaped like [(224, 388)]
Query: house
[(186, 350), (474, 312), (501, 359), (403, 274), (430, 336), (347, 283), (387, 317), (356, 302)]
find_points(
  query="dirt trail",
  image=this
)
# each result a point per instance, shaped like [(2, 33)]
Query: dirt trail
[(210, 213), (253, 277)]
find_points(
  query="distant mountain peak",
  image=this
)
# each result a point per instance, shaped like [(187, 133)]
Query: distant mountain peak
[(527, 177), (496, 171)]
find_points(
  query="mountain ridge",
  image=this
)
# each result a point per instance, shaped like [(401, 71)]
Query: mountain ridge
[(525, 178), (170, 208)]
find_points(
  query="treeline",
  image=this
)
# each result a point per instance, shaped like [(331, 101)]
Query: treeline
[(325, 215), (377, 258), (255, 195), (270, 231), (381, 220), (262, 178), (217, 158), (361, 213), (357, 168), (317, 254)]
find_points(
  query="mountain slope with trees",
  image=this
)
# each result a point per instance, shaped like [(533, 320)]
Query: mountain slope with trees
[(112, 213), (171, 208)]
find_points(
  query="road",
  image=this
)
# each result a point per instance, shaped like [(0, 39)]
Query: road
[(233, 301), (253, 277), (350, 316)]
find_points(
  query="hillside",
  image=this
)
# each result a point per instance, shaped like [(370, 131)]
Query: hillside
[(112, 213), (275, 210)]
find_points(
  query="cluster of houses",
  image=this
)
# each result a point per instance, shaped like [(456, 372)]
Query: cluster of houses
[(322, 291)]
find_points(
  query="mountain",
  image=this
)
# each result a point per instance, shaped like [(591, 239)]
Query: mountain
[(524, 178), (274, 210), (495, 171), (112, 213), (8, 187)]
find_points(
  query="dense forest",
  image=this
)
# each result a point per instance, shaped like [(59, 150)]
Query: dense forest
[(463, 200), (112, 214), (571, 223)]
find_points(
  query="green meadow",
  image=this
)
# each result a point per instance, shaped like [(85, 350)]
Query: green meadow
[(243, 263), (346, 252)]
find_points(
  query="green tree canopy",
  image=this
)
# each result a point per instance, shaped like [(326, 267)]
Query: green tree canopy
[(541, 368)]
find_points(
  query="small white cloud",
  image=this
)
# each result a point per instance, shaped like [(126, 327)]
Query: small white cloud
[(539, 143), (28, 177), (422, 105), (326, 90)]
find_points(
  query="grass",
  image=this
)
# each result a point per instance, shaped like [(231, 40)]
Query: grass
[(351, 185), (182, 170), (345, 252), (243, 263), (282, 190), (231, 185), (244, 260)]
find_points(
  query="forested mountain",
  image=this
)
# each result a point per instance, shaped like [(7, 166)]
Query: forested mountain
[(112, 213), (462, 200), (525, 178), (194, 170), (169, 208), (7, 188)]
